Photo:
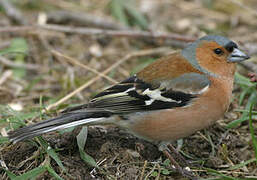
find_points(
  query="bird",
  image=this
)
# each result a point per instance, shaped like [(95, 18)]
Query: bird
[(170, 99)]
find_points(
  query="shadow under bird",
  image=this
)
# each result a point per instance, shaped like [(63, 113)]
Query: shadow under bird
[(170, 99)]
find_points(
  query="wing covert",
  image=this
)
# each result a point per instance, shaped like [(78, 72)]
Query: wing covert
[(135, 95)]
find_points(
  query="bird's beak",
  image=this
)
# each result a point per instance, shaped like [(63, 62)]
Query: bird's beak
[(237, 56)]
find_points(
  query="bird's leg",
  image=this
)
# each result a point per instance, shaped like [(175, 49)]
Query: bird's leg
[(180, 170), (167, 149), (180, 157)]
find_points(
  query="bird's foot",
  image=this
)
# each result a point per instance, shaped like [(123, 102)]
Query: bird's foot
[(253, 77), (183, 171), (178, 155)]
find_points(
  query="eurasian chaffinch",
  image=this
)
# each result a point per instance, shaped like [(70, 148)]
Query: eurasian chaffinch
[(170, 99)]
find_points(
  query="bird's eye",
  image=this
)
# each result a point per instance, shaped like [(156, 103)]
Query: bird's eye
[(218, 51)]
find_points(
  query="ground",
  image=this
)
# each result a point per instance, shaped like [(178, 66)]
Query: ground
[(48, 51)]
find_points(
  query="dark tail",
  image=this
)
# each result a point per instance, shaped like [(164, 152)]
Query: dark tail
[(61, 122)]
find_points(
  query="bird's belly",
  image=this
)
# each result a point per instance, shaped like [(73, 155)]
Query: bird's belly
[(173, 124)]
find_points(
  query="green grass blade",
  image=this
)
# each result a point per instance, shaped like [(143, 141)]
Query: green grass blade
[(51, 152), (18, 119), (118, 11), (82, 138), (18, 45), (53, 173), (244, 116), (81, 141), (244, 110), (3, 140), (243, 94), (243, 81), (10, 174), (252, 131), (31, 174), (137, 16), (217, 173), (242, 164)]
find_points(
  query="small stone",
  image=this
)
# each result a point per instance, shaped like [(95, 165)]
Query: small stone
[(133, 153)]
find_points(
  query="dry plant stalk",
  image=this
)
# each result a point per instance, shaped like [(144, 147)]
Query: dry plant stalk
[(76, 62)]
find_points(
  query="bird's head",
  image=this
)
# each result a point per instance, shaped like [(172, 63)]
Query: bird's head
[(214, 53)]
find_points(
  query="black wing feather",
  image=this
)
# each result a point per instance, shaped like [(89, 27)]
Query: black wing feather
[(128, 96)]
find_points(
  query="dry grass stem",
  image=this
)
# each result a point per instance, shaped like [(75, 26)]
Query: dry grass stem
[(143, 171), (10, 63), (76, 62)]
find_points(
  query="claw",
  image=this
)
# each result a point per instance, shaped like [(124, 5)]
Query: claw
[(184, 172)]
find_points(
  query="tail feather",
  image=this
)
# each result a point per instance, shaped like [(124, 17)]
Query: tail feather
[(61, 122)]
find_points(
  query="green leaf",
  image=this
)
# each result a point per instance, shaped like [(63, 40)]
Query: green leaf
[(243, 94), (165, 172), (10, 174), (243, 81), (244, 116), (127, 14), (154, 174), (244, 110), (19, 45), (51, 152), (19, 49), (3, 140), (242, 164), (81, 141), (31, 174), (82, 138), (137, 16), (18, 119), (53, 173), (15, 118), (117, 10), (224, 177), (166, 162), (252, 131)]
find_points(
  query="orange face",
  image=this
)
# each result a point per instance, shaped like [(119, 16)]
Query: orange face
[(214, 58)]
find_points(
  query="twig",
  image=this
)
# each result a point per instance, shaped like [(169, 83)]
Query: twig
[(17, 29), (3, 132), (3, 164), (226, 172), (82, 19), (127, 57), (159, 172), (9, 63), (143, 170), (12, 12), (116, 33), (167, 38), (251, 48), (5, 76), (250, 66), (252, 11), (22, 163), (76, 62), (5, 44), (152, 170), (95, 31)]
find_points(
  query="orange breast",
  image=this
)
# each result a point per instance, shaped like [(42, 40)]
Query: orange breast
[(172, 124)]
